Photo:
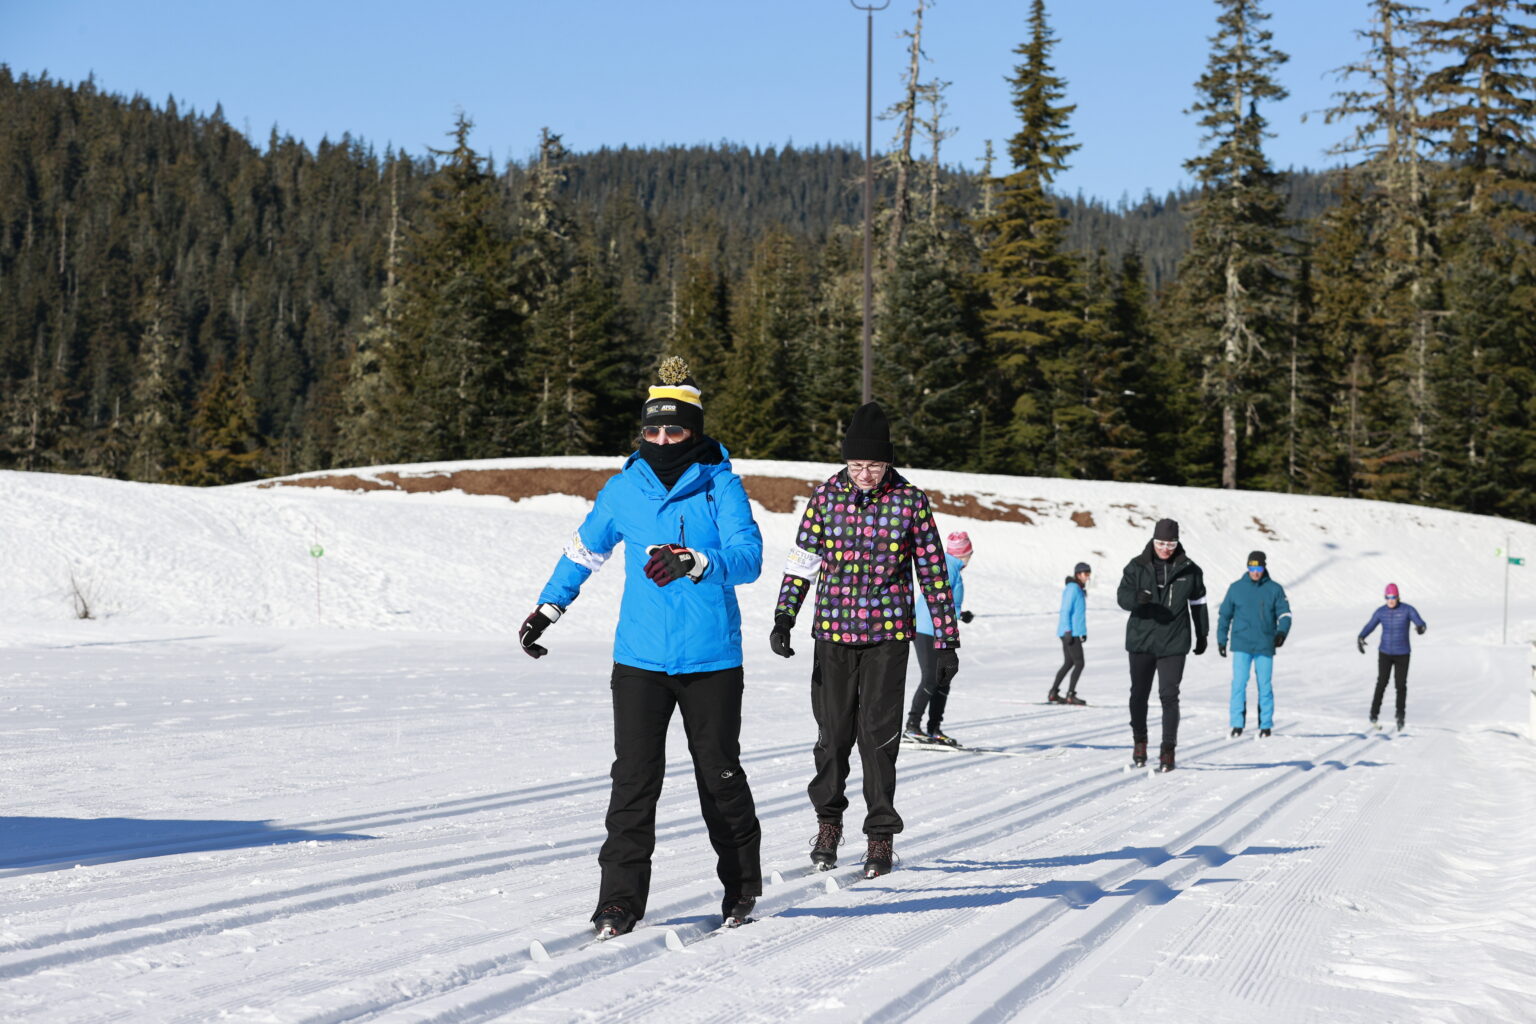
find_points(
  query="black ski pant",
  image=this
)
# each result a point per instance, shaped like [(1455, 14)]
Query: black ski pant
[(1072, 661), (642, 709), (932, 692), (1395, 665), (1170, 672), (856, 694)]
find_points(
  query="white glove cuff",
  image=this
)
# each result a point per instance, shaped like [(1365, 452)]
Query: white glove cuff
[(700, 563), (551, 612)]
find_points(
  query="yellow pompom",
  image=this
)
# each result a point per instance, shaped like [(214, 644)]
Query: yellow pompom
[(673, 370)]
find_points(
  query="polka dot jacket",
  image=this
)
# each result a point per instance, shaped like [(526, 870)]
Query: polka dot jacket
[(864, 547)]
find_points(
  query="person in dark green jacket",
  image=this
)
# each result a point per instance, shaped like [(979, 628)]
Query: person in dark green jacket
[(1259, 617), (1165, 593)]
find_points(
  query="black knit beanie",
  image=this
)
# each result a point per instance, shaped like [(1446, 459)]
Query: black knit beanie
[(1166, 529), (1257, 558), (869, 436), (676, 400)]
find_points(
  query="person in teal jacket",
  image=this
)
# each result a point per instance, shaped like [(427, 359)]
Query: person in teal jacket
[(689, 540), (932, 692), (1258, 617), (1072, 630)]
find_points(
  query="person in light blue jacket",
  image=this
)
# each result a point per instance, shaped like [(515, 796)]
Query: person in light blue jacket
[(1258, 617), (1072, 630), (935, 674), (689, 540)]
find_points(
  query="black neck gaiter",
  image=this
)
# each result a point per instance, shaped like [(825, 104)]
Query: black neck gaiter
[(670, 461)]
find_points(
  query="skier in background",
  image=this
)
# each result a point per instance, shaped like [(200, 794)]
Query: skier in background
[(1394, 617), (867, 527), (1072, 630), (932, 691), (1164, 591), (1259, 617), (689, 540)]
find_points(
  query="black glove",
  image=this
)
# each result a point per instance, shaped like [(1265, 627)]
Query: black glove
[(967, 617), (946, 661), (778, 640), (672, 562), (544, 616), (1199, 645), (1420, 629), (1279, 639), (1143, 597), (1083, 639), (1221, 649), (1360, 643)]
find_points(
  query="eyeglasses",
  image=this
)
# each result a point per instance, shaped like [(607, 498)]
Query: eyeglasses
[(674, 433), (1165, 543), (865, 468)]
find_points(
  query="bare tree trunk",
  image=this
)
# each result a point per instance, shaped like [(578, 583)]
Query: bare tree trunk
[(986, 181), (901, 202)]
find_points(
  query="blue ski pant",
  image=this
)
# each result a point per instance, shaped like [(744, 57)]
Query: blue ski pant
[(1262, 667)]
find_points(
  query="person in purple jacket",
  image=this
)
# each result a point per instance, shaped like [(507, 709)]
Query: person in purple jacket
[(863, 534), (1394, 617)]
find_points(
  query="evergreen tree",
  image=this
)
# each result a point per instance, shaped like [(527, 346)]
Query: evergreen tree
[(1233, 290), (156, 426), (1032, 315), (697, 327), (225, 446), (927, 367), (760, 415)]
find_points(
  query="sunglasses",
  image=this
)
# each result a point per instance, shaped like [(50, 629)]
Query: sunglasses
[(1390, 597), (674, 433), (1255, 568)]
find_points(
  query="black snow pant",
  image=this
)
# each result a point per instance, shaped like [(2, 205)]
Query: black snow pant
[(642, 709), (1395, 665), (856, 694), (932, 692), (1072, 661), (1169, 672)]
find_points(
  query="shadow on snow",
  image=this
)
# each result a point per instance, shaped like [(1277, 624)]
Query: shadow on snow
[(51, 842)]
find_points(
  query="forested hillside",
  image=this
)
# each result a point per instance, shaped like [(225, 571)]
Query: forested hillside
[(180, 304)]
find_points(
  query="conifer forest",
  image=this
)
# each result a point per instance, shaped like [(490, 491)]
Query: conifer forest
[(179, 304)]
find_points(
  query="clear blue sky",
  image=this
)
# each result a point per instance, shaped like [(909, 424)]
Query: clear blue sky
[(610, 72)]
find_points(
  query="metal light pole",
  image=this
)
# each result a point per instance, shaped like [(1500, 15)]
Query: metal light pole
[(869, 194)]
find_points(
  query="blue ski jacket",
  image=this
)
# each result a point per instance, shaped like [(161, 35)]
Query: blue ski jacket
[(685, 626), (956, 587), (1394, 624), (1074, 610), (1254, 613)]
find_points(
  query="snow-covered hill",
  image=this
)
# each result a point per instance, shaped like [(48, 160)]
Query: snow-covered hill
[(228, 799)]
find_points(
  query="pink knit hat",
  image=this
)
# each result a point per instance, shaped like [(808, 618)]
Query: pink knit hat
[(1391, 590), (958, 544)]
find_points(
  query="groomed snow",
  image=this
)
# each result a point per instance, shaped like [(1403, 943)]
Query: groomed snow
[(226, 799)]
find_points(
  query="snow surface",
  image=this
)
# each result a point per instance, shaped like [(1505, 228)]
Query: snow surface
[(227, 800)]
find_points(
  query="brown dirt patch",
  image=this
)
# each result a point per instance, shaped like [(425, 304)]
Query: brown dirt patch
[(774, 493), (1084, 519), (1266, 531)]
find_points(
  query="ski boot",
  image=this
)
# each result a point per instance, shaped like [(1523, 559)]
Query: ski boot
[(1263, 734), (877, 859), (829, 836), (612, 920), (1073, 698), (1237, 731), (1375, 725), (1054, 698), (1139, 754), (937, 736), (1400, 725), (915, 733), (1165, 758), (737, 910)]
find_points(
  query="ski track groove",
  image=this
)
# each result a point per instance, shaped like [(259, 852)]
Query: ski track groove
[(561, 976), (394, 882), (1040, 981)]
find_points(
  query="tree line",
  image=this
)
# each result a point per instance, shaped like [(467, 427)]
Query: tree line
[(180, 305)]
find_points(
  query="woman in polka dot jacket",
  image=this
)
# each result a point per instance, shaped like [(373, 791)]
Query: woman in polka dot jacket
[(863, 533)]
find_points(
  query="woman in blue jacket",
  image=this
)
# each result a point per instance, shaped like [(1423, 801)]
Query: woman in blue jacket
[(1072, 629), (1394, 617), (934, 675), (689, 541)]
